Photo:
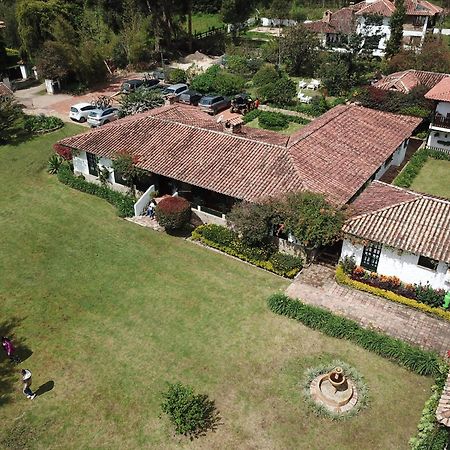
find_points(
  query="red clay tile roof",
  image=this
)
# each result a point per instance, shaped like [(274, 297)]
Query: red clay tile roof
[(383, 7), (319, 26), (402, 219), (335, 154), (421, 8), (409, 79), (341, 21), (5, 90), (441, 91)]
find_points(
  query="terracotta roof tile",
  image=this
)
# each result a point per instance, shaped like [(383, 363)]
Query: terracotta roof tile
[(335, 154), (421, 8), (5, 90), (382, 7), (441, 91), (409, 79), (402, 219)]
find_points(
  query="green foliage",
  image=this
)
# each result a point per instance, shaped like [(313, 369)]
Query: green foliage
[(173, 213), (228, 242), (396, 22), (299, 50), (215, 79), (142, 99), (253, 221), (123, 203), (42, 123), (191, 414), (273, 121), (251, 115), (11, 120), (348, 264), (267, 74), (279, 93), (412, 169), (54, 61), (285, 262), (125, 164), (90, 67), (311, 219), (242, 65), (54, 163), (236, 12), (413, 358), (335, 76), (177, 76), (316, 108)]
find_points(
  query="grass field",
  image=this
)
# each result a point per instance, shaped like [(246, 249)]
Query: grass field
[(112, 311), (203, 22), (434, 178), (292, 128)]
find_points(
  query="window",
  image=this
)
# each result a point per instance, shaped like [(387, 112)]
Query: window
[(427, 263), (371, 256), (87, 108), (118, 178), (92, 163)]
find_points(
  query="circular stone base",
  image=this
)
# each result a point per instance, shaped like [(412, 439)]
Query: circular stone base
[(340, 401)]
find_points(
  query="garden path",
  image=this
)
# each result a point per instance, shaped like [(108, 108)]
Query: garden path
[(316, 286)]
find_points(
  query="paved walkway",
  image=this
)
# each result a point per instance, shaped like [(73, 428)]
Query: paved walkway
[(316, 286), (145, 221)]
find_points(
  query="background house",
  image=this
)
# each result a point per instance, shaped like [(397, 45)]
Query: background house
[(407, 80), (400, 233)]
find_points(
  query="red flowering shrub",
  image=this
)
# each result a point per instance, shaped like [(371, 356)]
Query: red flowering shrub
[(63, 151), (173, 213), (358, 272)]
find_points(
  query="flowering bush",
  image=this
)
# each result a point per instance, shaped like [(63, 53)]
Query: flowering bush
[(173, 212), (63, 151)]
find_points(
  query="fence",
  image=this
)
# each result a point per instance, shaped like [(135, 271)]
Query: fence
[(213, 31), (438, 149), (143, 201)]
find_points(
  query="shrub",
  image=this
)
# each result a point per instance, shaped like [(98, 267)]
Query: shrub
[(280, 93), (273, 121), (316, 108), (216, 233), (11, 120), (348, 264), (432, 297), (416, 111), (123, 203), (285, 262), (141, 100), (251, 115), (63, 151), (41, 123), (54, 163), (190, 413), (413, 358), (228, 83), (267, 74), (177, 76), (173, 213)]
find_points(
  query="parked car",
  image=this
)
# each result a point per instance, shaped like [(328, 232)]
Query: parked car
[(80, 111), (242, 103), (175, 89), (131, 85), (212, 104), (99, 117), (190, 97)]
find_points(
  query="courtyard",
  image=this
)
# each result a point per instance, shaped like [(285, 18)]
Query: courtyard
[(112, 311), (433, 178)]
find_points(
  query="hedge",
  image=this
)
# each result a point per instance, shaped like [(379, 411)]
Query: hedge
[(406, 177), (343, 278), (227, 241), (42, 124), (271, 119), (420, 361), (123, 203)]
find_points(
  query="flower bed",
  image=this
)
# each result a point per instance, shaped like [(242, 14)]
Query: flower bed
[(227, 241), (42, 124), (343, 278)]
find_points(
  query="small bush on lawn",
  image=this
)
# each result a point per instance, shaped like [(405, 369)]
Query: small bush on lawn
[(285, 262), (273, 121), (54, 163), (173, 213), (123, 203), (191, 414), (267, 74), (251, 115), (41, 123), (413, 358), (216, 233), (177, 76)]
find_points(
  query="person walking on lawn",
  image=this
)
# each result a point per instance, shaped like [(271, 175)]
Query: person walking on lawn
[(26, 380), (9, 349)]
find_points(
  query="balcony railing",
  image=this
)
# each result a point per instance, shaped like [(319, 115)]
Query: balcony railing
[(441, 121)]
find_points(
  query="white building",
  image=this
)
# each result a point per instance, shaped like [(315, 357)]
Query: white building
[(397, 232), (439, 136)]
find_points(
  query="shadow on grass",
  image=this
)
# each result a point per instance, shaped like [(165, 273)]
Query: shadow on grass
[(9, 372), (46, 387)]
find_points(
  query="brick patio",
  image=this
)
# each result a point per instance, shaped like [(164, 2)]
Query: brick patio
[(316, 286)]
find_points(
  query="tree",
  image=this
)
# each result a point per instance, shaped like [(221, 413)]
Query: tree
[(267, 74), (281, 92), (215, 79), (236, 12), (396, 22), (253, 221), (54, 61), (279, 9), (141, 100), (3, 56), (125, 165), (91, 67), (11, 120), (311, 219), (299, 50), (335, 74)]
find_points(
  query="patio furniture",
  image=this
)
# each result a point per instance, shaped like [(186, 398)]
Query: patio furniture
[(313, 84), (304, 98), (302, 84)]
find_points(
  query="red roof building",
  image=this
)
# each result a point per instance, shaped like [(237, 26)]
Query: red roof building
[(407, 80)]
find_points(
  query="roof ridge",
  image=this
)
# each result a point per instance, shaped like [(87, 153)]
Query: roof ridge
[(410, 191)]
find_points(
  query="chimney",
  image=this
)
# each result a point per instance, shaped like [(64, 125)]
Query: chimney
[(327, 16), (231, 126)]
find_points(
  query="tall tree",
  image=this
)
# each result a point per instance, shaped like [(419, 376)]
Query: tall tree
[(236, 12), (396, 22)]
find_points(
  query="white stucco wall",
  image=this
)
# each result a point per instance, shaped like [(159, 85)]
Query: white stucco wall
[(401, 264), (443, 108), (370, 30), (397, 159), (436, 136), (80, 166)]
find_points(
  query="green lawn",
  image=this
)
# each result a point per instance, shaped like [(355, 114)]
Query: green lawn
[(433, 178), (111, 311), (203, 22)]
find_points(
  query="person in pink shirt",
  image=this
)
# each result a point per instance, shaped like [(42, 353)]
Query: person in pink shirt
[(10, 350)]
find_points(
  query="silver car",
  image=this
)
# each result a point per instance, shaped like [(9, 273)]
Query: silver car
[(99, 117), (175, 90), (212, 104)]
